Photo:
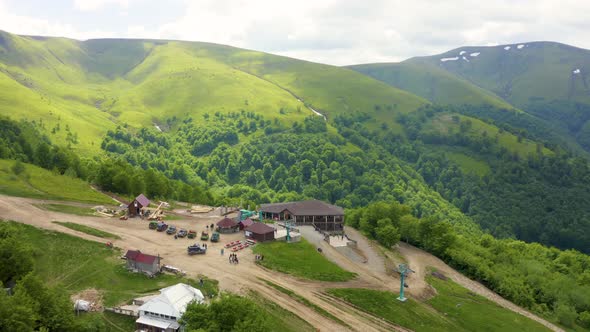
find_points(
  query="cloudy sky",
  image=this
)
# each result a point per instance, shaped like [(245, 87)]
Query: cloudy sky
[(337, 32)]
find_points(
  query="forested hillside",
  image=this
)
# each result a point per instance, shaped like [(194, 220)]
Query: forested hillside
[(213, 124)]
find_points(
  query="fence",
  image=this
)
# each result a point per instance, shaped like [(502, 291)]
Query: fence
[(120, 311)]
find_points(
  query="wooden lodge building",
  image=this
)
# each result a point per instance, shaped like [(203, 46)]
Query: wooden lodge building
[(321, 215)]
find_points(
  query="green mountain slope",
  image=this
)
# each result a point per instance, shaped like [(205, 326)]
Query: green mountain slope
[(431, 82), (547, 80), (521, 73), (95, 85)]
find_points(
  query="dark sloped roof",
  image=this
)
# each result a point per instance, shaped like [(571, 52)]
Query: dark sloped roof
[(304, 208), (247, 222), (260, 228), (138, 256), (142, 200), (131, 254), (227, 223)]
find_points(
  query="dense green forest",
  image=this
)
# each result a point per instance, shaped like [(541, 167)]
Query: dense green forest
[(33, 305), (23, 141), (536, 198), (548, 281), (254, 161)]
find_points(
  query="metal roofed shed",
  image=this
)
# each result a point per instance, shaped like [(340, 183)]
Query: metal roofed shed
[(260, 232), (164, 310), (321, 215)]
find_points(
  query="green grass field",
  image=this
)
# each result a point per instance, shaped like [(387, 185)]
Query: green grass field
[(69, 209), (468, 164), (445, 124), (301, 260), (107, 321), (96, 85), (88, 230), (36, 182), (453, 308), (79, 264), (473, 312)]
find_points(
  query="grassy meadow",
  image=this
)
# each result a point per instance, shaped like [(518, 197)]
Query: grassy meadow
[(87, 230), (36, 182), (430, 82), (453, 308), (69, 209), (301, 260)]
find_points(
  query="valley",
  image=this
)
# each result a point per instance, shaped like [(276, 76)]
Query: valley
[(473, 162)]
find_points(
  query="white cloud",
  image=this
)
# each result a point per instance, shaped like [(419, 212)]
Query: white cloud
[(335, 31), (90, 5)]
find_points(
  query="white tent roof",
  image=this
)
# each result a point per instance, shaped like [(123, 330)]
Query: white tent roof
[(163, 324), (173, 300)]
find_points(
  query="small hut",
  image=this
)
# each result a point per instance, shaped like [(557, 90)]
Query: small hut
[(138, 261), (227, 225), (260, 232), (138, 203), (245, 223)]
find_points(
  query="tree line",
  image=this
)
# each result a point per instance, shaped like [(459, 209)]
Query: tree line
[(22, 141)]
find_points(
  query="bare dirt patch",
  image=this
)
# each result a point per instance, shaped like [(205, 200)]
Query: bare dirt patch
[(89, 295)]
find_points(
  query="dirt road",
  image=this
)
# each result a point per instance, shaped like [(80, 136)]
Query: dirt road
[(135, 234)]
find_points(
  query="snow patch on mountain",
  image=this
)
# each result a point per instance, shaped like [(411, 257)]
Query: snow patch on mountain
[(474, 54), (507, 48), (520, 46), (576, 71), (462, 52), (464, 58), (449, 59)]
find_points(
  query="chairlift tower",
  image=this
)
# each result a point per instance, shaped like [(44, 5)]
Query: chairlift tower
[(403, 270), (288, 228)]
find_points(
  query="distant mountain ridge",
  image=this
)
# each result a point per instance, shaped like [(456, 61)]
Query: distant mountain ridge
[(545, 79)]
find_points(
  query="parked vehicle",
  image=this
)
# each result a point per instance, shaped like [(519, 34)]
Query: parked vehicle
[(192, 234), (162, 226), (171, 230), (182, 232), (153, 225), (196, 249), (204, 236), (215, 237)]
